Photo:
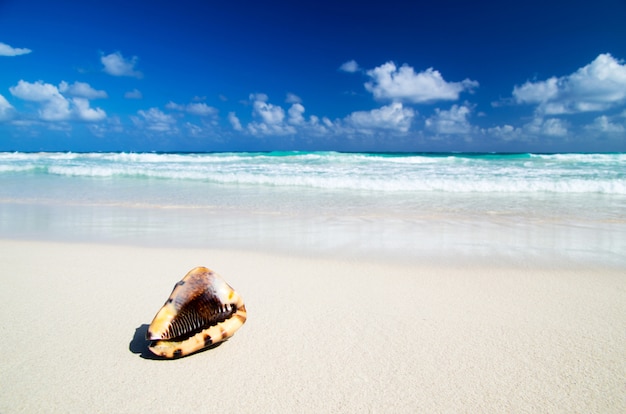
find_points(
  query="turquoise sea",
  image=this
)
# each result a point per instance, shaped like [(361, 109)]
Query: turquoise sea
[(414, 206)]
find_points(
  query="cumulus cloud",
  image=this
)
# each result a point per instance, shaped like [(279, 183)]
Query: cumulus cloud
[(134, 94), (82, 90), (112, 125), (536, 92), (453, 121), (293, 98), (554, 127), (193, 129), (321, 126), (258, 97), (198, 108), (37, 92), (6, 50), (541, 128), (260, 128), (604, 124), (269, 114), (85, 113), (551, 127), (505, 132), (115, 64), (155, 120), (391, 117), (403, 84), (6, 109), (201, 109), (272, 119), (350, 66), (55, 106), (597, 86), (295, 114), (174, 106), (234, 121)]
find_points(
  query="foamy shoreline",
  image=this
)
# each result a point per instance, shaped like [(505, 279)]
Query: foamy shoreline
[(323, 335)]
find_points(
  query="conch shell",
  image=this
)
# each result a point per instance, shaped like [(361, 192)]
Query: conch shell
[(201, 311)]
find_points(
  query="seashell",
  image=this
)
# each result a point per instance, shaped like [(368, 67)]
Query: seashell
[(201, 311)]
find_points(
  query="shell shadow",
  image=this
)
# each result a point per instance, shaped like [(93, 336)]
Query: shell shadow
[(139, 345)]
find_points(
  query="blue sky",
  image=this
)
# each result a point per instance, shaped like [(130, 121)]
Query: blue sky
[(533, 76)]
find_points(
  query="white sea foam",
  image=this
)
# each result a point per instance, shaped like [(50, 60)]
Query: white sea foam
[(522, 173)]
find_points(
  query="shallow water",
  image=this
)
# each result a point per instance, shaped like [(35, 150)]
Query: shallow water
[(566, 208)]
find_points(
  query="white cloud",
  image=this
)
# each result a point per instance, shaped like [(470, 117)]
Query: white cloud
[(536, 92), (201, 109), (112, 125), (155, 120), (295, 114), (260, 128), (198, 108), (116, 65), (269, 114), (55, 106), (56, 109), (505, 132), (390, 117), (234, 121), (174, 106), (293, 98), (552, 127), (134, 94), (453, 121), (538, 128), (403, 84), (85, 113), (6, 50), (258, 97), (603, 124), (274, 120), (36, 92), (271, 118), (320, 127), (193, 129), (82, 90), (6, 109), (350, 66), (595, 87)]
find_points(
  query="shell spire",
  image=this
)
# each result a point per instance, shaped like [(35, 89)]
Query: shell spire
[(201, 311)]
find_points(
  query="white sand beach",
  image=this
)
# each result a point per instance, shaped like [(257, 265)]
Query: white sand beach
[(323, 334)]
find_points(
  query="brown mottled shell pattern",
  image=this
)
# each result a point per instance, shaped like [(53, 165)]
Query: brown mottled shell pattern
[(201, 311)]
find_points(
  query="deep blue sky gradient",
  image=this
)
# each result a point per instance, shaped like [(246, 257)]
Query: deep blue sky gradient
[(242, 65)]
